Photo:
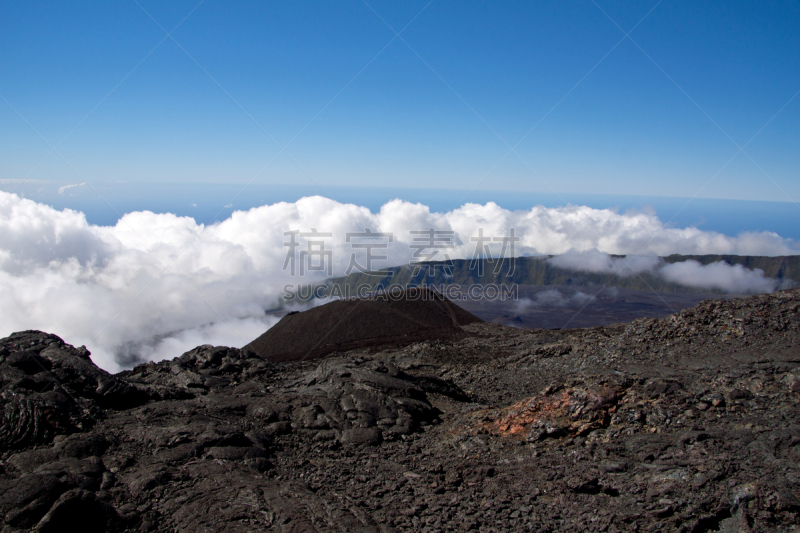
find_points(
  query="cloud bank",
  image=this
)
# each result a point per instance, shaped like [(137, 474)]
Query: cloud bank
[(602, 263), (720, 275), (179, 283), (552, 297)]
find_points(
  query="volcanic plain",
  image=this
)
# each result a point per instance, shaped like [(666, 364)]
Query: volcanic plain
[(685, 423)]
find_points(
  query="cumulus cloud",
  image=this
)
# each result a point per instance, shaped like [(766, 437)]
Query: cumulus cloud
[(719, 275), (555, 297), (550, 297), (523, 304), (160, 276), (603, 263), (228, 333)]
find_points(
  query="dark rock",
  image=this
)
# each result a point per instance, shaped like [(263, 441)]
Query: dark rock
[(147, 478), (392, 318), (79, 510), (739, 394), (51, 388), (80, 445), (661, 387), (85, 473), (24, 500), (687, 423), (613, 467), (358, 436)]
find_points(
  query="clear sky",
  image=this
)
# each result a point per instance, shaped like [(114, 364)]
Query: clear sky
[(700, 99)]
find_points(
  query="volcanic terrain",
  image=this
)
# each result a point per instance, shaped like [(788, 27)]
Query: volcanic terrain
[(398, 317), (686, 423)]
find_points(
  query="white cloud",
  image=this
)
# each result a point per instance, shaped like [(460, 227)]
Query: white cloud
[(65, 187), (153, 275), (550, 297), (554, 297), (581, 297), (719, 275), (227, 333), (602, 263), (523, 304)]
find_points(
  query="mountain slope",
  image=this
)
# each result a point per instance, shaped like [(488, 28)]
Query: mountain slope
[(538, 271), (399, 318)]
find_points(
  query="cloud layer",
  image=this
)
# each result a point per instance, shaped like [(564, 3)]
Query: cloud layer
[(602, 263), (720, 275), (179, 283)]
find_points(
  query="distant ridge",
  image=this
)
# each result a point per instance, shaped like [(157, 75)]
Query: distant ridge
[(538, 271), (779, 267), (395, 318)]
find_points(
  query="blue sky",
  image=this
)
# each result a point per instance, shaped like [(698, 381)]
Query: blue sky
[(586, 109), (683, 116)]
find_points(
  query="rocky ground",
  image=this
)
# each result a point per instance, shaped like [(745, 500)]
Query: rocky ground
[(688, 423)]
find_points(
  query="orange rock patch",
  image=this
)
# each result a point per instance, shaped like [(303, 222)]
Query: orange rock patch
[(569, 412)]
